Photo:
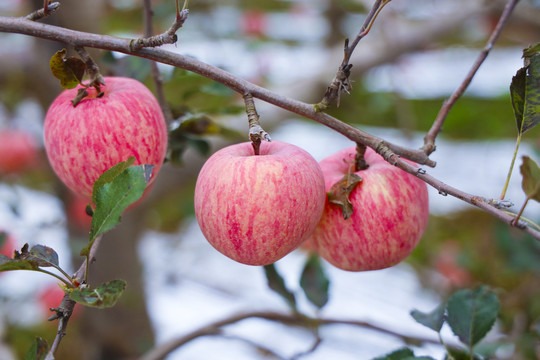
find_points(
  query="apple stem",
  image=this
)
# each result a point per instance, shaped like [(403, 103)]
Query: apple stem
[(256, 132), (96, 80), (359, 160)]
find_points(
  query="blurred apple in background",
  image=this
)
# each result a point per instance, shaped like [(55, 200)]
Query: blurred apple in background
[(390, 214), (19, 151)]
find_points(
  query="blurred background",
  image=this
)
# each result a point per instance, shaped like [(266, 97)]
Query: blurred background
[(415, 56)]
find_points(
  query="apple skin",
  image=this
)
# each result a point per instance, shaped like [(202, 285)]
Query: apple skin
[(84, 141), (390, 214), (256, 209), (19, 151)]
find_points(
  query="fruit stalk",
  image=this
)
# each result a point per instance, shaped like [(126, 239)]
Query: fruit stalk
[(256, 132)]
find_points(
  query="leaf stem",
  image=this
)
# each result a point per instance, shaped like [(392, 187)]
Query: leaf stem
[(69, 284), (518, 216), (518, 141)]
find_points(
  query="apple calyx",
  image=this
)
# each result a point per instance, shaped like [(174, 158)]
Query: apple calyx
[(340, 192)]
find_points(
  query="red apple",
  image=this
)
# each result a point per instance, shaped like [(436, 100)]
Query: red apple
[(76, 212), (253, 23), (390, 214), (19, 151), (84, 141), (256, 209)]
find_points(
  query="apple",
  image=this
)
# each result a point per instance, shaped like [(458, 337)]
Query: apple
[(76, 212), (256, 209), (19, 151), (84, 141), (390, 214)]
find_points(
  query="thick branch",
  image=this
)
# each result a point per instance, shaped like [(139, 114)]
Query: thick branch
[(388, 150), (429, 139)]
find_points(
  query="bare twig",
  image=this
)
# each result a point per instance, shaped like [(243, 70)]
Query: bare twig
[(341, 82), (429, 139), (256, 132), (168, 37), (47, 10), (292, 319), (156, 75), (66, 307)]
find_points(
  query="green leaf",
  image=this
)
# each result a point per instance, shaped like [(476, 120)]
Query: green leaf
[(531, 50), (397, 354), (531, 178), (525, 95), (9, 264), (109, 175), (461, 354), (39, 351), (104, 296), (69, 71), (314, 281), (276, 283), (403, 354), (42, 255), (112, 198), (433, 320), (472, 313)]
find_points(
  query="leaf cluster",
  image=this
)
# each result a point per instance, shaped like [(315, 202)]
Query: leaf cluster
[(470, 315)]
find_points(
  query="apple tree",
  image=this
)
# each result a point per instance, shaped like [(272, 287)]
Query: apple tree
[(139, 134)]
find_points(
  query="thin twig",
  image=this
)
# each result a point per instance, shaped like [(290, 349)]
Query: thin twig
[(168, 37), (66, 307), (429, 139), (156, 74), (47, 10), (292, 319), (341, 82)]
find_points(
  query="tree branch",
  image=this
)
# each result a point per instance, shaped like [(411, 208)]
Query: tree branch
[(292, 319), (156, 75), (390, 152), (66, 307), (429, 139)]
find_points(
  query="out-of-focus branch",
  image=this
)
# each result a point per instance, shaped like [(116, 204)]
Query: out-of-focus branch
[(158, 79), (291, 319), (429, 139)]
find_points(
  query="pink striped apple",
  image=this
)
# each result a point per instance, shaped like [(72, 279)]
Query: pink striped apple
[(84, 141), (390, 214), (256, 209)]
